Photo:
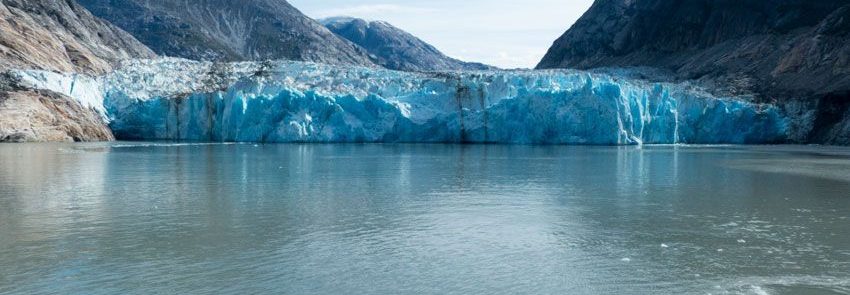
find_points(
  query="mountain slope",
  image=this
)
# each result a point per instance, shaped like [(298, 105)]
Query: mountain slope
[(225, 30), (777, 48), (394, 48), (794, 52), (61, 35)]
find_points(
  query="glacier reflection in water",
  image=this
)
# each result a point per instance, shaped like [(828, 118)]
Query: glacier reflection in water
[(141, 218)]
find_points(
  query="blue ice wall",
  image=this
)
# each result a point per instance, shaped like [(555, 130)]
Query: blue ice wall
[(298, 102)]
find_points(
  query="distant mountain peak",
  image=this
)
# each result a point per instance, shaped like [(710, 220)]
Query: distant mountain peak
[(338, 20), (395, 48)]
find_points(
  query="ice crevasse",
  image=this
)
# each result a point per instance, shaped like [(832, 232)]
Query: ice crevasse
[(174, 99)]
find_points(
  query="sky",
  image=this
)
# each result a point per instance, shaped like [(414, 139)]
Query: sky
[(503, 33)]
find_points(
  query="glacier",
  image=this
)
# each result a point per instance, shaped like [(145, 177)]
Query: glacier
[(284, 101)]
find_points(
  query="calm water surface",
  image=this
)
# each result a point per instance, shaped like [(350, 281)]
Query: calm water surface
[(134, 218)]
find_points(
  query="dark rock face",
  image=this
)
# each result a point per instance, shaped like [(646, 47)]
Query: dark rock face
[(61, 35), (779, 50), (787, 47), (228, 30), (394, 48)]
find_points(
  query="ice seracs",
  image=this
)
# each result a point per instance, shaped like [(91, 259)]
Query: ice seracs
[(308, 102)]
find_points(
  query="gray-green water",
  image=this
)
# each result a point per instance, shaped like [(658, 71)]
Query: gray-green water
[(131, 218)]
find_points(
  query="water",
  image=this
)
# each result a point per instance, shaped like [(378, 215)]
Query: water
[(132, 218)]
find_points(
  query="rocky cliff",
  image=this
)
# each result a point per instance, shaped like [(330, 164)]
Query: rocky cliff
[(225, 30), (29, 115), (395, 49), (787, 51), (55, 35)]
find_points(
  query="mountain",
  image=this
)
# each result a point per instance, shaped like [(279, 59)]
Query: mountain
[(791, 51), (785, 47), (226, 30), (61, 35), (394, 48), (55, 35)]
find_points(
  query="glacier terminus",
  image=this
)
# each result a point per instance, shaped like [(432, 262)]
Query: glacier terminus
[(285, 101)]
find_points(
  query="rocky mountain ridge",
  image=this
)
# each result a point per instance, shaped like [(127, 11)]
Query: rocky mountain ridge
[(225, 30), (394, 48)]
